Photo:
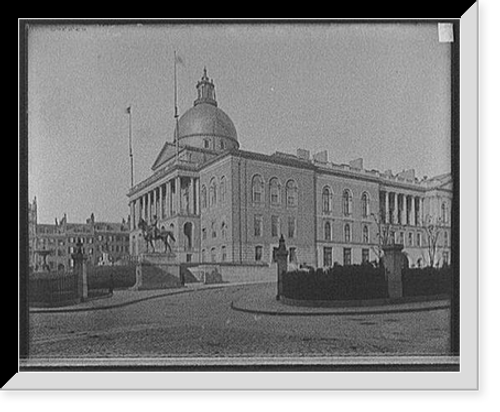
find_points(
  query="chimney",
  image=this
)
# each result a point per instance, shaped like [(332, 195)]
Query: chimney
[(303, 154), (321, 156), (356, 163)]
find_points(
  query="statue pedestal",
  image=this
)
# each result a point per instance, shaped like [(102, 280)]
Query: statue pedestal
[(157, 271), (393, 263)]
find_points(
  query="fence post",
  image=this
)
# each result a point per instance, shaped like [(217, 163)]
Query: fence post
[(281, 255), (80, 271)]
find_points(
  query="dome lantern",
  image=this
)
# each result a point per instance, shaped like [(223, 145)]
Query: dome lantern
[(206, 90)]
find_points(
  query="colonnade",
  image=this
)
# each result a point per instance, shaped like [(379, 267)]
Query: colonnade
[(401, 209), (176, 196)]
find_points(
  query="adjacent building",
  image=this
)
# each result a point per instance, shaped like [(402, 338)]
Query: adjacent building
[(103, 242), (228, 205)]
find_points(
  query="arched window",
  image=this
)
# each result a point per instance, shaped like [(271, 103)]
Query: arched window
[(222, 189), (366, 234), (328, 231), (204, 196), (347, 202), (292, 193), (327, 200), (223, 230), (257, 189), (213, 192), (347, 233), (365, 204), (274, 191)]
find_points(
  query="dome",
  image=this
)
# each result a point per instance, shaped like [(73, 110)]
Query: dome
[(205, 119), (204, 124)]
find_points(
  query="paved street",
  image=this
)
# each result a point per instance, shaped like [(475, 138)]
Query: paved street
[(202, 323)]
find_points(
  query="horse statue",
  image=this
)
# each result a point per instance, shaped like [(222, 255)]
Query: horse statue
[(151, 233)]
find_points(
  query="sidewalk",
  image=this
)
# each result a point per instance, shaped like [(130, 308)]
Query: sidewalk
[(260, 300), (126, 297)]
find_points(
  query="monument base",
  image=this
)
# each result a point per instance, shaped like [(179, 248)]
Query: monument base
[(157, 271)]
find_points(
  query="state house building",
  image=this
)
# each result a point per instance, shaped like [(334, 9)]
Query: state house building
[(225, 204)]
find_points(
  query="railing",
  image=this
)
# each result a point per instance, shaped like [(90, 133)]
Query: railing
[(53, 289)]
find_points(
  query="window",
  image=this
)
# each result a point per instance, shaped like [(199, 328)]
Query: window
[(258, 253), (347, 202), (274, 191), (444, 212), (223, 230), (222, 144), (222, 189), (257, 189), (292, 229), (365, 204), (213, 192), (257, 225), (445, 234), (347, 256), (292, 193), (204, 197), (213, 255), (365, 255), (366, 234), (327, 256), (203, 255), (327, 200), (292, 255), (223, 253), (206, 143), (446, 258), (214, 230), (410, 239), (275, 225), (401, 238), (419, 240), (347, 233), (328, 231)]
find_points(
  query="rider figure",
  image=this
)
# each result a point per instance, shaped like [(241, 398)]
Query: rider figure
[(154, 226)]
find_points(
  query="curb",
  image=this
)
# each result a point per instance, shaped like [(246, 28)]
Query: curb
[(339, 312), (138, 300)]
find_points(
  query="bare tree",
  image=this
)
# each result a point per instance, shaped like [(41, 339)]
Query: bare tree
[(384, 230), (433, 228)]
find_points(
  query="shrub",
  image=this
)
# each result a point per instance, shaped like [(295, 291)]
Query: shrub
[(427, 281), (337, 283)]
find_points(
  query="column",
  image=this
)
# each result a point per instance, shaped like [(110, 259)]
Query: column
[(412, 210), (132, 214), (395, 209), (404, 215), (387, 210), (178, 196), (155, 199), (197, 194), (168, 186), (192, 206)]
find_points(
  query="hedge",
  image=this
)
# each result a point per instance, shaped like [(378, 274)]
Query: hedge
[(427, 281), (337, 283)]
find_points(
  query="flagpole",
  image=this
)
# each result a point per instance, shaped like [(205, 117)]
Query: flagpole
[(176, 112), (131, 155)]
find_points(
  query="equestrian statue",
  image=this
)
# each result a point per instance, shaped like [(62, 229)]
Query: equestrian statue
[(151, 233)]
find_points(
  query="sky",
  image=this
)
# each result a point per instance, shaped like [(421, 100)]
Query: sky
[(376, 91)]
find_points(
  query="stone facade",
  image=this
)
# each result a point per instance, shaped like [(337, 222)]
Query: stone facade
[(59, 241), (227, 205)]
